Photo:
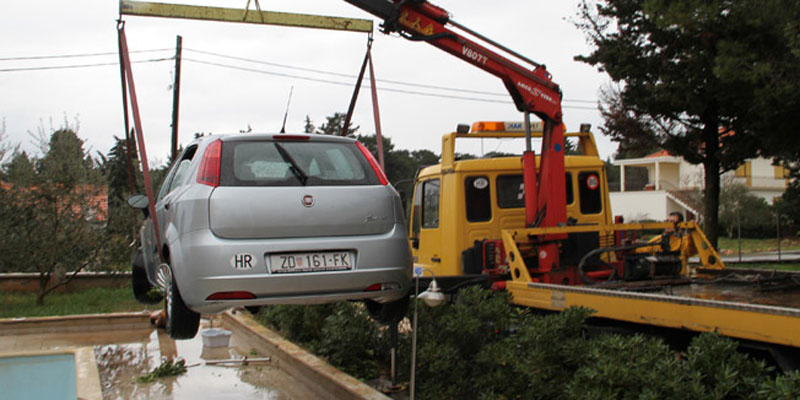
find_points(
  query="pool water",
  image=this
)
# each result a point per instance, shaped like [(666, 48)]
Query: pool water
[(49, 376), (121, 363)]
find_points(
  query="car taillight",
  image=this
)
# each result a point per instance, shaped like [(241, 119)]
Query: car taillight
[(375, 287), (231, 296), (374, 163), (209, 165)]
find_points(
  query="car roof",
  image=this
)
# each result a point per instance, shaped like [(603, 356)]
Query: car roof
[(269, 136)]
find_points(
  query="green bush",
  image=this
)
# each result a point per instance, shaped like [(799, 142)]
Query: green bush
[(526, 363), (783, 387), (349, 340), (342, 333), (716, 370), (481, 346), (451, 337), (755, 216), (617, 366), (301, 324)]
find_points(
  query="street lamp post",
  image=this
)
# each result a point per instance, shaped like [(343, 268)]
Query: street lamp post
[(433, 297)]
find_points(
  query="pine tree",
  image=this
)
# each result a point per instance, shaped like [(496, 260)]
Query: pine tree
[(715, 82)]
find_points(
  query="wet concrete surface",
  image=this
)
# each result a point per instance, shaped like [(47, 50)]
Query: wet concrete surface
[(740, 293), (767, 257), (121, 362)]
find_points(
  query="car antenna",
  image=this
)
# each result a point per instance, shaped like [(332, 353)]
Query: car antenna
[(286, 114)]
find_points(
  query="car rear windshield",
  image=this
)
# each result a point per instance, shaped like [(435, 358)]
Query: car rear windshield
[(294, 163)]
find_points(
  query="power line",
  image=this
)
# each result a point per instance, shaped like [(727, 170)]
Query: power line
[(75, 66), (339, 74), (291, 67), (581, 101), (305, 78), (281, 74), (319, 71), (74, 55)]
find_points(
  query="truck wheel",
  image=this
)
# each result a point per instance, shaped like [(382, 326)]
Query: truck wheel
[(253, 309), (143, 291), (387, 313), (182, 323)]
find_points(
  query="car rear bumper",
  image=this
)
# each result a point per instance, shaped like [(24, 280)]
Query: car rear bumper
[(205, 265)]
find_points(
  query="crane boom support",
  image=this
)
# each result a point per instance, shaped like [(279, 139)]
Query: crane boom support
[(531, 89), (184, 11)]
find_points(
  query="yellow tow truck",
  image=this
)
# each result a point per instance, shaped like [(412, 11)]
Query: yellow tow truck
[(467, 220)]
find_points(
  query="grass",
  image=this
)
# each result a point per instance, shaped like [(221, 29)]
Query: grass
[(730, 246), (90, 301)]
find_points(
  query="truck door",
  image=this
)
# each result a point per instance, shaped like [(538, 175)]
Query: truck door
[(425, 226)]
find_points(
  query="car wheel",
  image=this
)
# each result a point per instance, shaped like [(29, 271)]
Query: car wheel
[(143, 291), (387, 313), (182, 323)]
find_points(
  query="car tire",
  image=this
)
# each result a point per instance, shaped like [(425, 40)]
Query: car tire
[(142, 289), (387, 313), (182, 323)]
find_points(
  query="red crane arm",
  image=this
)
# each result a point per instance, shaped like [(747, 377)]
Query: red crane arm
[(531, 89)]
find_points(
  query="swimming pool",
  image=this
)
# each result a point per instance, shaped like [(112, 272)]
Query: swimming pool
[(50, 376)]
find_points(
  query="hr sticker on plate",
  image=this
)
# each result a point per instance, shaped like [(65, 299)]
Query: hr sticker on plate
[(243, 261)]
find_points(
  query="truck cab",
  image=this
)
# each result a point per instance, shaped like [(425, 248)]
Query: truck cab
[(460, 206)]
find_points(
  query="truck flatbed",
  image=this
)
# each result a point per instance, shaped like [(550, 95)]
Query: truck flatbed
[(760, 306)]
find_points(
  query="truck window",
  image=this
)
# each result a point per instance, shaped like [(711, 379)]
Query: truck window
[(589, 191), (478, 198), (511, 191), (417, 211), (430, 204)]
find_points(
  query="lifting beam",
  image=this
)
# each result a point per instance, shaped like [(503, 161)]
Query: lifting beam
[(166, 10)]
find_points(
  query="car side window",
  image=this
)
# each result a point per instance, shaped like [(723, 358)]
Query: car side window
[(177, 173), (180, 174), (430, 204), (165, 185)]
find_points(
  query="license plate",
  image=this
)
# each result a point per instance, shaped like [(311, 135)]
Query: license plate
[(284, 263)]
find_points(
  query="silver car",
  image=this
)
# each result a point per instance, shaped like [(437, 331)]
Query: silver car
[(248, 220)]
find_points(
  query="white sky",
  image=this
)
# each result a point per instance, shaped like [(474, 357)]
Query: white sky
[(219, 100)]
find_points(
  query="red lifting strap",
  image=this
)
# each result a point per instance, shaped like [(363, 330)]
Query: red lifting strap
[(376, 113), (137, 122), (375, 110)]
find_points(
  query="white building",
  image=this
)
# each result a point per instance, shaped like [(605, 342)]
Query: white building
[(673, 184)]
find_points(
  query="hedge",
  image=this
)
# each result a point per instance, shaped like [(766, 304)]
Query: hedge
[(481, 346)]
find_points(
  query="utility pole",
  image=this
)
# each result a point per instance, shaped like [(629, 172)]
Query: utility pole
[(176, 96)]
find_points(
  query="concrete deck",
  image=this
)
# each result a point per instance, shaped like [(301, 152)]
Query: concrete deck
[(130, 346)]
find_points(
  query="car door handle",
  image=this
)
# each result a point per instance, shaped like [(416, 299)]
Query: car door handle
[(436, 259)]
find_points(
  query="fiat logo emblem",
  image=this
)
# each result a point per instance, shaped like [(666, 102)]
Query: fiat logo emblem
[(308, 200)]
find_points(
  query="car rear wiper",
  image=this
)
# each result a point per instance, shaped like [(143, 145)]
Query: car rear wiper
[(296, 170)]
